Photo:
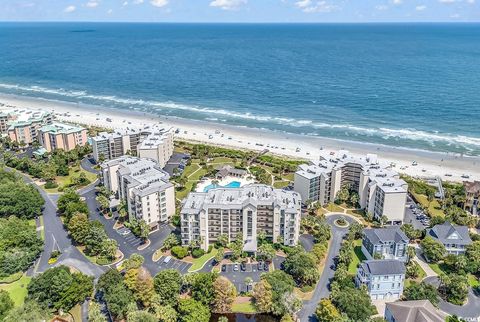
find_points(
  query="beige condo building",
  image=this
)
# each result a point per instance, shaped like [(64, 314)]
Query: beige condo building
[(143, 185), (62, 136), (381, 191), (241, 213), (23, 125)]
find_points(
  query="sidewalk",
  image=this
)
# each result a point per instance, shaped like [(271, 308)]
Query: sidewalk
[(423, 263)]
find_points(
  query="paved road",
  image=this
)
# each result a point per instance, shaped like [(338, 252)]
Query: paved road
[(469, 311), (322, 291), (56, 238)]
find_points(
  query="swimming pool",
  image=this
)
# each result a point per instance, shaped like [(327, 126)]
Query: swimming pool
[(233, 184)]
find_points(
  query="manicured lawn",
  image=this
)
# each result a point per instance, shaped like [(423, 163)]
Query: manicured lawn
[(441, 268), (190, 169), (74, 172), (280, 184), (198, 175), (473, 281), (199, 262), (17, 290), (357, 257), (247, 307), (334, 208), (434, 208)]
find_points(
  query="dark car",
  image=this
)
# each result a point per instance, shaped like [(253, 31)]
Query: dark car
[(243, 266), (265, 267), (224, 268), (260, 266)]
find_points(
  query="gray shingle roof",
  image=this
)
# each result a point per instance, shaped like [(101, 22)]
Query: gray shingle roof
[(415, 311), (383, 266), (445, 233), (383, 235)]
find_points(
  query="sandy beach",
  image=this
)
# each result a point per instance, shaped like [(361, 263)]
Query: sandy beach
[(448, 166)]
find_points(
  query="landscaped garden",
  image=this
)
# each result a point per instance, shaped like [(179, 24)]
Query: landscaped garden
[(205, 160)]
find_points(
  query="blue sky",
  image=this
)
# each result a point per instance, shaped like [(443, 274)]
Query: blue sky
[(241, 10)]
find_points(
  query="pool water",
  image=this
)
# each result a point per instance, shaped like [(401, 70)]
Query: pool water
[(233, 184)]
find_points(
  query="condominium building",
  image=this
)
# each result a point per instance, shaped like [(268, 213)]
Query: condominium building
[(3, 122), (151, 142), (384, 278), (381, 191), (241, 213), (109, 146), (61, 136), (143, 185), (23, 125), (157, 144)]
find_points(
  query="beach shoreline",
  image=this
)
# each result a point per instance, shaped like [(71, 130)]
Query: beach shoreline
[(429, 164)]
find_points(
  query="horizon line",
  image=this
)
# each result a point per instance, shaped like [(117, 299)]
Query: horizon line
[(243, 22)]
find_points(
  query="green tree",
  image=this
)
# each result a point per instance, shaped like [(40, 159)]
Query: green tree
[(421, 291), (433, 250), (48, 288), (20, 245), (79, 227), (302, 267), (69, 196), (165, 313), (168, 284), (79, 289), (28, 312), (281, 284), (266, 252), (141, 316), (118, 298), (355, 303), (225, 294), (455, 288), (95, 314), (411, 232), (219, 255), (473, 256), (202, 288), (190, 310), (263, 296), (6, 304), (103, 202), (327, 312), (135, 261)]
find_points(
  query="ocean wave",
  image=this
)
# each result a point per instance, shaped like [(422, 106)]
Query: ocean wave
[(469, 143)]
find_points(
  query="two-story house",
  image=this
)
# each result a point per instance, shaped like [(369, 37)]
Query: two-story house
[(386, 243), (383, 278), (454, 238)]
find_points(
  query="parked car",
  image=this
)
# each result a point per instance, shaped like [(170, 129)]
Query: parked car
[(224, 268), (167, 259), (243, 266), (235, 267), (260, 266), (265, 267)]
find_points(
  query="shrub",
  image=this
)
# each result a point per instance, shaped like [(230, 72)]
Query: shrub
[(198, 252), (101, 260), (50, 185), (210, 247), (179, 252)]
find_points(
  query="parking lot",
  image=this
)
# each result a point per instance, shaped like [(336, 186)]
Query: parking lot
[(179, 265), (237, 277), (415, 216), (129, 237)]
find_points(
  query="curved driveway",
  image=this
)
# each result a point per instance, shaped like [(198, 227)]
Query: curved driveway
[(322, 289)]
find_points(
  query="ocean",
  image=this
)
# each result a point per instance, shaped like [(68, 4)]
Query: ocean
[(405, 85)]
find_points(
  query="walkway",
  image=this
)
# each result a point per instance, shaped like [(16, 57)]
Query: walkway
[(420, 260)]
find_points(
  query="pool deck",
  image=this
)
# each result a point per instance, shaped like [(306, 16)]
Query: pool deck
[(227, 182)]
